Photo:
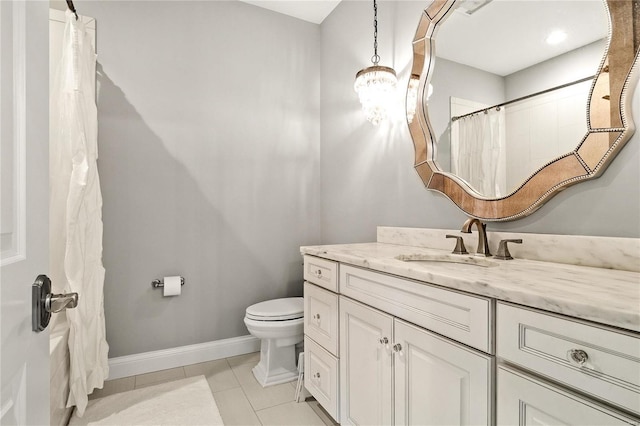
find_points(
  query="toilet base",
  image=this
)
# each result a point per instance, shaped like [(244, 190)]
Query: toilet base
[(277, 364)]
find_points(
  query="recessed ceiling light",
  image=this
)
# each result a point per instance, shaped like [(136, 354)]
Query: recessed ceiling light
[(556, 37)]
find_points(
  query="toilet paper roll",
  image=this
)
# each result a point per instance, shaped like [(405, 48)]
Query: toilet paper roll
[(172, 286)]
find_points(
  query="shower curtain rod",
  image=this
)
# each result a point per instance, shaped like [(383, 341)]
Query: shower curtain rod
[(562, 86), (72, 8)]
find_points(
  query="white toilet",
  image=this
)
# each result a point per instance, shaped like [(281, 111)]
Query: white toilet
[(279, 323)]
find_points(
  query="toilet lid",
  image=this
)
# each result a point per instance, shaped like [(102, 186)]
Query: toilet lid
[(277, 309)]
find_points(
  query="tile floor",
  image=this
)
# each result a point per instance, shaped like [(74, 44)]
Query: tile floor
[(240, 398)]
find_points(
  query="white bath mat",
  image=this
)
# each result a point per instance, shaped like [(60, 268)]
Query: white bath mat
[(182, 402)]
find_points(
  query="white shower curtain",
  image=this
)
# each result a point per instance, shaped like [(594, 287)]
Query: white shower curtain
[(76, 210), (477, 154)]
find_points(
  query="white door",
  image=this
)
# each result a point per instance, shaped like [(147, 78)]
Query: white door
[(438, 382), (24, 200), (366, 388)]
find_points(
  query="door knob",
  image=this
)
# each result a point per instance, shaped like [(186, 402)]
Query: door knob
[(55, 303), (44, 303)]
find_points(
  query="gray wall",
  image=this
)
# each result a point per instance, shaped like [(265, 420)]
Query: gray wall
[(571, 66), (460, 81), (209, 162), (367, 171), (213, 122), (367, 174)]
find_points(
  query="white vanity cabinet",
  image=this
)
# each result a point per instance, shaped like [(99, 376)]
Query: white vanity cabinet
[(373, 334), (381, 349), (393, 372)]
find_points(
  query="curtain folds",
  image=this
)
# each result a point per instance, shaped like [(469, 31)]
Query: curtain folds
[(76, 211), (477, 154)]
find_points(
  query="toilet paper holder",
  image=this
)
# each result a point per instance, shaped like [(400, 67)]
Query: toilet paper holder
[(160, 283)]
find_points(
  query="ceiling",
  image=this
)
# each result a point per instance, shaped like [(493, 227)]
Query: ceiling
[(309, 10), (520, 28)]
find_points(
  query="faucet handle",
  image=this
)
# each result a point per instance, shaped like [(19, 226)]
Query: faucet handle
[(460, 248), (503, 249)]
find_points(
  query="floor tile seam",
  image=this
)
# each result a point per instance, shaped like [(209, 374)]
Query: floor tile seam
[(233, 373), (236, 376), (248, 361), (228, 364), (255, 413), (244, 392), (277, 405)]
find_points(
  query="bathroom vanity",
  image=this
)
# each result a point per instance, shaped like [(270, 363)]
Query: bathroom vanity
[(454, 340)]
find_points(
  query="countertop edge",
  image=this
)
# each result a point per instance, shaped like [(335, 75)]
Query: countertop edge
[(602, 314)]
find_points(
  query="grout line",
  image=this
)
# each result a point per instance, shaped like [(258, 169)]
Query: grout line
[(255, 413), (277, 405)]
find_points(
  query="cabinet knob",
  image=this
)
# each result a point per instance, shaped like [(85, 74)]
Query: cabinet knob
[(383, 341), (317, 318), (319, 273), (316, 376), (397, 348), (578, 356)]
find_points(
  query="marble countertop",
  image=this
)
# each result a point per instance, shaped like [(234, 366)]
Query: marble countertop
[(605, 296)]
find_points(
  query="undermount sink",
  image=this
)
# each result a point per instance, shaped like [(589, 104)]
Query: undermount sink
[(464, 259)]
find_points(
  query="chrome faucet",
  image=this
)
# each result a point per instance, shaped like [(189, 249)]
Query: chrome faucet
[(483, 242)]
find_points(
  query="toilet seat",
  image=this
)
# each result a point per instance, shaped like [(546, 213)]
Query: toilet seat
[(289, 308)]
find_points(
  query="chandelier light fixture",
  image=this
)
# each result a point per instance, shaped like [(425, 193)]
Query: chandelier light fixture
[(412, 96), (376, 84)]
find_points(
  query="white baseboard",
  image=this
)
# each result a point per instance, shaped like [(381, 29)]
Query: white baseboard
[(147, 362)]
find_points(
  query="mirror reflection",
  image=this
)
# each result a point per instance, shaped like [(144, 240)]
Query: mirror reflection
[(510, 87)]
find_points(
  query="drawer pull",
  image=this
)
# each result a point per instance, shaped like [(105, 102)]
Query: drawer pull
[(578, 356), (319, 273)]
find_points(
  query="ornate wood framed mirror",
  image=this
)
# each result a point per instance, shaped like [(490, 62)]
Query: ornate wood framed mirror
[(540, 151)]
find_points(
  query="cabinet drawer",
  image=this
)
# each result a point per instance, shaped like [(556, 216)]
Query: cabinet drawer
[(554, 346), (458, 316), (525, 401), (321, 376), (321, 316), (321, 272)]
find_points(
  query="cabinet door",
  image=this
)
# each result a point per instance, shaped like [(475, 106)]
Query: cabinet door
[(366, 391), (438, 382), (525, 401)]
